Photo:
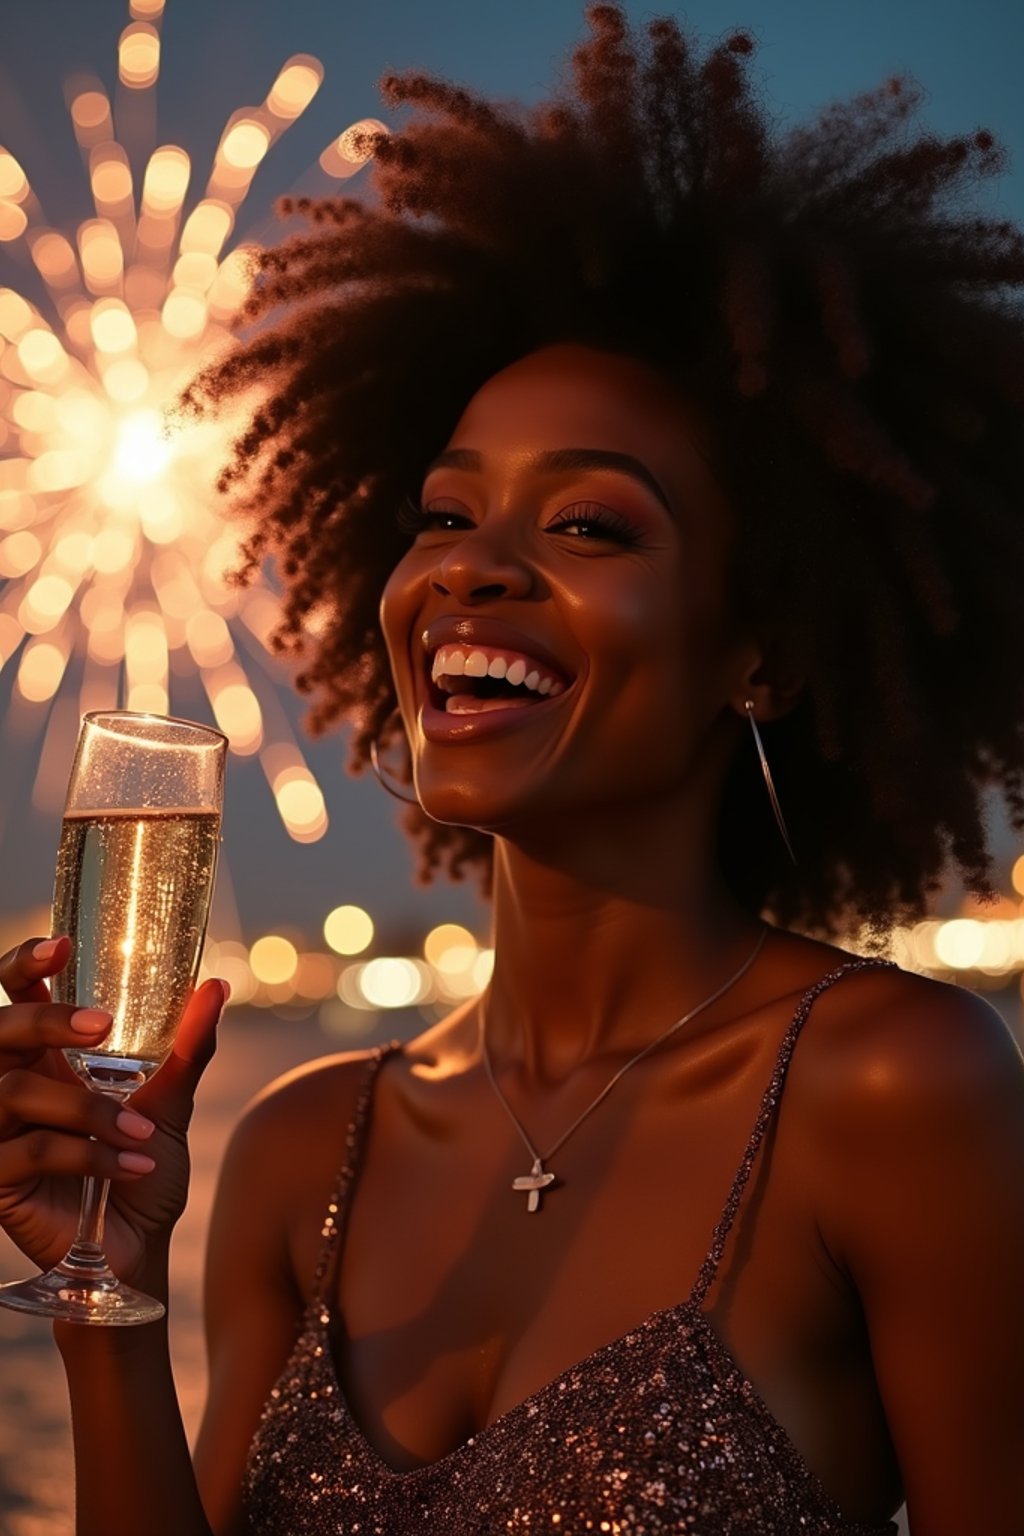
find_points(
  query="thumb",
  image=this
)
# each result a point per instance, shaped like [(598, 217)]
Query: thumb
[(194, 1046)]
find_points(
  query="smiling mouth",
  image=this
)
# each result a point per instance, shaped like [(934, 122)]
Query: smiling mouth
[(467, 681)]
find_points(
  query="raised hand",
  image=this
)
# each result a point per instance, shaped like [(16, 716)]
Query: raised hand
[(54, 1131)]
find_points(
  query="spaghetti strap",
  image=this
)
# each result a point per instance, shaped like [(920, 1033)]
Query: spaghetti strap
[(337, 1207), (769, 1102)]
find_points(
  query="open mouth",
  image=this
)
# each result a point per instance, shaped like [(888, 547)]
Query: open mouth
[(464, 680)]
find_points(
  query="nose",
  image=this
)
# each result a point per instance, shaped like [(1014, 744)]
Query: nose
[(481, 566)]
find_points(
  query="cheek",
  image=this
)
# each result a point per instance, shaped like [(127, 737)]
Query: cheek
[(640, 621), (399, 603), (654, 652)]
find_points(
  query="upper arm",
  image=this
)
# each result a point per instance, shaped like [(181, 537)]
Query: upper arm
[(922, 1202), (253, 1299)]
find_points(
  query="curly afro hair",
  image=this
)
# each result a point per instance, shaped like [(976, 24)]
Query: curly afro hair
[(851, 331)]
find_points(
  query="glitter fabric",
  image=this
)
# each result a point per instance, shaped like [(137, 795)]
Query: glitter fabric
[(657, 1431)]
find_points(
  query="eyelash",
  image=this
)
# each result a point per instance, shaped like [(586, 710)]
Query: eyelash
[(415, 519)]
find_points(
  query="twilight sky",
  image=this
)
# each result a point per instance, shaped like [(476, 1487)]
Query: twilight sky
[(218, 55)]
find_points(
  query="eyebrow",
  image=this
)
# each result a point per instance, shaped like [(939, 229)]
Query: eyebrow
[(563, 460)]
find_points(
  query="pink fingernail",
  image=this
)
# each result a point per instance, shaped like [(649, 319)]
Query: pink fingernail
[(89, 1020), (134, 1125), (136, 1162), (46, 950), (226, 989)]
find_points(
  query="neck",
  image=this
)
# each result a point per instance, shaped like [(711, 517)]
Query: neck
[(603, 941)]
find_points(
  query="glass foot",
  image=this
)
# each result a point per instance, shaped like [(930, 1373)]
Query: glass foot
[(97, 1297)]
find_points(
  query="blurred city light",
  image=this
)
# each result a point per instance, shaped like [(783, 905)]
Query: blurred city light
[(450, 947), (348, 930), (276, 971), (273, 959), (229, 961), (387, 982)]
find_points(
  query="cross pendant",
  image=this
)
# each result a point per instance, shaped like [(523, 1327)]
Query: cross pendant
[(534, 1182)]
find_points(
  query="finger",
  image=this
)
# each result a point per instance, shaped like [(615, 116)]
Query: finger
[(28, 1028), (43, 1151), (196, 1039), (23, 970), (175, 1084), (28, 1099)]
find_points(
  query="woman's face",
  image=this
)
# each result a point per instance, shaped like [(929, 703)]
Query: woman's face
[(572, 532)]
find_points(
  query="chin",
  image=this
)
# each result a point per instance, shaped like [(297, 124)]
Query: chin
[(473, 809)]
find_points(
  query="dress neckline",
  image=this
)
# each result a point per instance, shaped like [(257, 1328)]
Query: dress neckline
[(730, 1375), (320, 1311)]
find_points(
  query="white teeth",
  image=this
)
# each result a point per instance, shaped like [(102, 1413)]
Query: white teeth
[(451, 662)]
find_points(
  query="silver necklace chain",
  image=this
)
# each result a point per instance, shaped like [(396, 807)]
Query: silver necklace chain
[(539, 1177)]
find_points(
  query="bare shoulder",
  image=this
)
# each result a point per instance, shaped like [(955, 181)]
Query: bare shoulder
[(908, 1097), (911, 1106), (311, 1103), (888, 1042), (301, 1088), (291, 1133)]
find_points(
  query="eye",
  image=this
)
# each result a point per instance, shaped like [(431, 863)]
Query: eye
[(414, 519), (594, 521), (589, 520)]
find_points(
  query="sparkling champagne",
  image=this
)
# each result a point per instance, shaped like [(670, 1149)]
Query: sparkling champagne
[(133, 892)]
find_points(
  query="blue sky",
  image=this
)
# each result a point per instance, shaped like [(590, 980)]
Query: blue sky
[(222, 54)]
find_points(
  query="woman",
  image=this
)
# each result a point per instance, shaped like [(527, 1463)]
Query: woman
[(702, 431)]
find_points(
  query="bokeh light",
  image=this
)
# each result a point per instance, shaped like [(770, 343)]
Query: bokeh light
[(343, 158), (245, 144), (229, 960), (273, 959), (960, 944), (447, 940), (387, 982), (296, 85), (138, 55), (348, 930)]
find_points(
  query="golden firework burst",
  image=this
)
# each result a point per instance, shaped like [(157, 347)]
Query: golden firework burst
[(112, 555)]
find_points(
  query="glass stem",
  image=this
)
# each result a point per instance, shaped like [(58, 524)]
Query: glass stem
[(86, 1256)]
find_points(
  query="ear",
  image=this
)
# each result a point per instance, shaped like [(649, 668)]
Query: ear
[(772, 678)]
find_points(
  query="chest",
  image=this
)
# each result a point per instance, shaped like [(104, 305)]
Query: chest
[(657, 1430), (458, 1315), (454, 1302)]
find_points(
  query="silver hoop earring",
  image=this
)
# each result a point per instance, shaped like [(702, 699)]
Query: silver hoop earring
[(399, 794), (773, 797)]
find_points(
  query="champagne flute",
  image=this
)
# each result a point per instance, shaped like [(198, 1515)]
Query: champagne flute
[(135, 871)]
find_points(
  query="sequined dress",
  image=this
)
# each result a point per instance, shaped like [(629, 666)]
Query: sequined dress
[(656, 1431)]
